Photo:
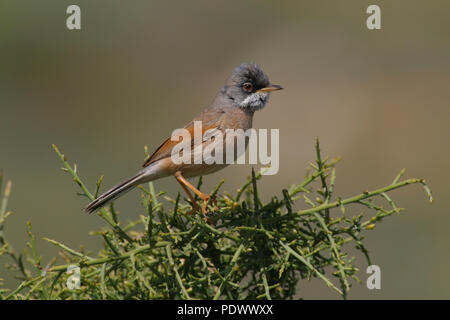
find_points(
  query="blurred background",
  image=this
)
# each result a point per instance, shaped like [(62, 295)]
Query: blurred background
[(380, 99)]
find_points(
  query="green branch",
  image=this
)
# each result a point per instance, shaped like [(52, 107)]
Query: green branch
[(124, 256), (365, 195), (102, 212)]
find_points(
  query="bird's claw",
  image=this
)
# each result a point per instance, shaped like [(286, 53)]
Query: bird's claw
[(206, 199)]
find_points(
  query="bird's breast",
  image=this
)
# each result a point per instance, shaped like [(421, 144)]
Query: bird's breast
[(236, 118)]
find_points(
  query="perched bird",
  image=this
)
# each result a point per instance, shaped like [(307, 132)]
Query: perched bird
[(246, 91)]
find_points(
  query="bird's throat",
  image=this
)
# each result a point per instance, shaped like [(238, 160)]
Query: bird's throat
[(255, 101)]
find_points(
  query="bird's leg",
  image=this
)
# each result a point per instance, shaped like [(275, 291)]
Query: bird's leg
[(186, 184), (195, 206)]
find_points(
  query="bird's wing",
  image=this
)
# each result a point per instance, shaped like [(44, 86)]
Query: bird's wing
[(210, 120), (161, 152)]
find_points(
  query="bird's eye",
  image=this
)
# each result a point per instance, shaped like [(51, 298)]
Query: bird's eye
[(248, 87)]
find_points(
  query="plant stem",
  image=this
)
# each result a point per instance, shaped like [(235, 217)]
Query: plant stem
[(175, 269), (305, 262), (362, 196), (114, 258), (102, 213)]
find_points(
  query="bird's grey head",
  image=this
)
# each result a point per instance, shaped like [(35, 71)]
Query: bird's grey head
[(249, 87)]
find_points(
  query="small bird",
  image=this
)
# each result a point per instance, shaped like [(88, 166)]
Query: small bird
[(246, 91)]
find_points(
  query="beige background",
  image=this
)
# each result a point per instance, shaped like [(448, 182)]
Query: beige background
[(380, 99)]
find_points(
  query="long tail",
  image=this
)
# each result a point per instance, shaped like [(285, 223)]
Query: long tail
[(115, 192)]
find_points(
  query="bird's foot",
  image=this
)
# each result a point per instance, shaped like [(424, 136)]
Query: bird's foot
[(195, 208), (204, 208), (206, 200)]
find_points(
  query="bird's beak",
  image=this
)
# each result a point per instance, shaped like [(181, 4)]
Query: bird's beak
[(271, 87)]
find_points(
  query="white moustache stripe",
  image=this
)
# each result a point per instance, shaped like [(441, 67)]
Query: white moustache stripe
[(256, 100)]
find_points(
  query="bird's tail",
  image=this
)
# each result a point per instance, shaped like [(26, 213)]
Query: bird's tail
[(115, 192)]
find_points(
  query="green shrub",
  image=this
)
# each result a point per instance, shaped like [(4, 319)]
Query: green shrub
[(250, 250)]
